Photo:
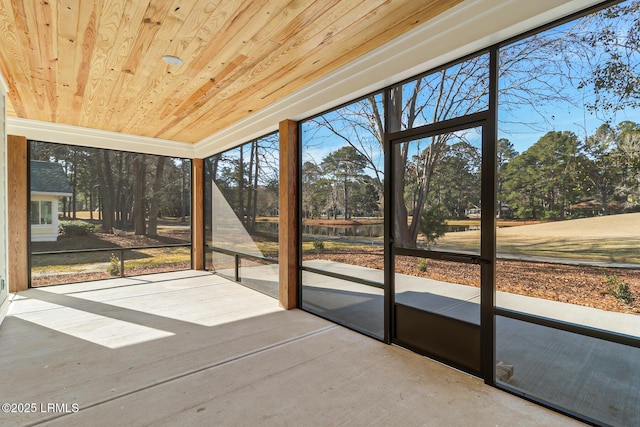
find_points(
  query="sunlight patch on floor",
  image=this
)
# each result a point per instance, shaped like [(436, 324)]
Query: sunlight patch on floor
[(101, 330)]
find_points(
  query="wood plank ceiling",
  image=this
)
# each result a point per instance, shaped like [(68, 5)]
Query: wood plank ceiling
[(97, 63)]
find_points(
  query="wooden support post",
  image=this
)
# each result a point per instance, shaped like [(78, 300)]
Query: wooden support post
[(17, 214), (197, 213), (288, 214)]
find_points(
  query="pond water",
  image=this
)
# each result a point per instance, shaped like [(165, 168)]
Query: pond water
[(362, 230), (370, 230)]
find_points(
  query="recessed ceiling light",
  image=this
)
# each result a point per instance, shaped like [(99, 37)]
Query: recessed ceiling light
[(172, 60)]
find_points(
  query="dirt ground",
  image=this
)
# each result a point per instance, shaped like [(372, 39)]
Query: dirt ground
[(579, 285)]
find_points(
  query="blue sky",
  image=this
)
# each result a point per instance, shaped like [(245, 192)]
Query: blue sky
[(523, 125), (576, 121)]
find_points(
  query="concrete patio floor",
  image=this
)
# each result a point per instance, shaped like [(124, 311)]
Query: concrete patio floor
[(593, 377), (191, 348)]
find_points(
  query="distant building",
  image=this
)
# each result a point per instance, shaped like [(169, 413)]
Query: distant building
[(48, 184), (475, 212)]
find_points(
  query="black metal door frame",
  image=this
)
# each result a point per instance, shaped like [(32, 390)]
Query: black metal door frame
[(460, 344)]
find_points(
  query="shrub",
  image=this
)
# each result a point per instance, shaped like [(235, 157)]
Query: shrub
[(422, 265), (433, 224), (318, 246), (618, 289), (114, 266), (75, 228)]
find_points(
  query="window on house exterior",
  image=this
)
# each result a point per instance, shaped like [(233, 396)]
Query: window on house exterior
[(40, 213), (45, 213), (34, 213)]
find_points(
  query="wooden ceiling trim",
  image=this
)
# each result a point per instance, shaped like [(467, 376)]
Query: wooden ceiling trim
[(342, 42), (91, 137), (195, 33), (201, 97), (295, 67), (124, 90), (295, 71), (197, 27), (197, 43), (440, 41), (316, 34), (229, 67), (243, 42), (275, 19), (174, 100)]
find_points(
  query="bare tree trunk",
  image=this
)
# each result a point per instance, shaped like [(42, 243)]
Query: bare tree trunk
[(154, 208), (118, 190), (139, 169), (91, 203), (401, 226), (107, 191), (183, 216), (346, 199), (241, 186), (250, 207), (255, 189), (74, 186)]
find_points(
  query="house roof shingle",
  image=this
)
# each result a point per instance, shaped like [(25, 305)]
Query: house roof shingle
[(47, 177)]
